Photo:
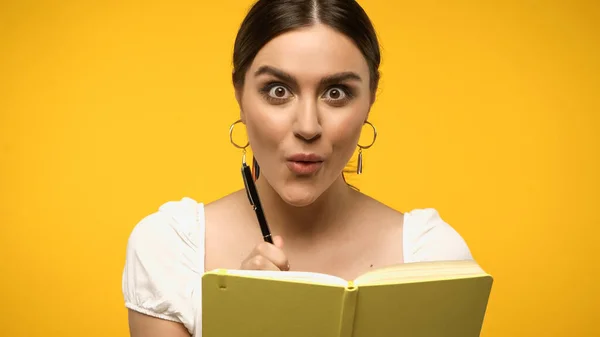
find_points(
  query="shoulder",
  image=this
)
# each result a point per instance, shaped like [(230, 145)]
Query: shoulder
[(175, 223), (164, 263), (427, 237)]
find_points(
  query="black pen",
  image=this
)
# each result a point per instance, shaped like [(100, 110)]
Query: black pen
[(255, 202)]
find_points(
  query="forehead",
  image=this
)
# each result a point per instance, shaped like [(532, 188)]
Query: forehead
[(312, 52)]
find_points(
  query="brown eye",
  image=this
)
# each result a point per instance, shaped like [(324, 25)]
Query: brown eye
[(278, 92), (335, 94)]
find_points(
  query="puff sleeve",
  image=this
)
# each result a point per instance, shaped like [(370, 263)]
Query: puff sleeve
[(162, 273), (429, 238)]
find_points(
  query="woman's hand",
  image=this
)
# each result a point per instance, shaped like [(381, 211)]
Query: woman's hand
[(266, 256)]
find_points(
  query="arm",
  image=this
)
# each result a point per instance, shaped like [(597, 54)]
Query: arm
[(163, 273), (141, 325)]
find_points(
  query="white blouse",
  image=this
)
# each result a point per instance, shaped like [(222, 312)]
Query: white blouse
[(165, 258)]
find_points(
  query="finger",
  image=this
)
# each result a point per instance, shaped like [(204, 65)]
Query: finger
[(273, 254), (278, 241), (259, 262)]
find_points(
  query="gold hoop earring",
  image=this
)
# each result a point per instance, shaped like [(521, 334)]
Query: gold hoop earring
[(255, 168), (359, 166), (243, 148)]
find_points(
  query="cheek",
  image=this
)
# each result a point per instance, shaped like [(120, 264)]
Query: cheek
[(265, 130), (346, 132)]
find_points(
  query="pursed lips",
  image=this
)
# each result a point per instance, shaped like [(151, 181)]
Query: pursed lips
[(304, 163)]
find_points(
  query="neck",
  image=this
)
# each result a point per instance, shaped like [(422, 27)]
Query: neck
[(325, 215)]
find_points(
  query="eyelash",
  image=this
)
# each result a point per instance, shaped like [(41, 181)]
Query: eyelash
[(267, 88), (347, 91)]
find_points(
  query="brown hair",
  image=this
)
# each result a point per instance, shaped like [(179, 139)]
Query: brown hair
[(269, 18)]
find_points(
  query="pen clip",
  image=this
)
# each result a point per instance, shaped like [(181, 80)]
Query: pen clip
[(254, 199), (246, 174)]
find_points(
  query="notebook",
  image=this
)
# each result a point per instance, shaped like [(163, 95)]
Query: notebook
[(426, 299)]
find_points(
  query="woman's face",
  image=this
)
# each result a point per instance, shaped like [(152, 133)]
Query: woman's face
[(304, 101)]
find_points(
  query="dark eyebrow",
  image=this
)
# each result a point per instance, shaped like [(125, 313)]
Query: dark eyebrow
[(277, 73), (325, 82), (340, 77)]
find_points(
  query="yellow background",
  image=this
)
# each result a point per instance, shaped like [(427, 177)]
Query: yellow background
[(487, 111)]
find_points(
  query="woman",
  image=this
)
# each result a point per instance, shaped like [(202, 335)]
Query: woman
[(305, 77)]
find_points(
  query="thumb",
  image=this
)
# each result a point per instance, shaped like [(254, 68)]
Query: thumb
[(278, 241)]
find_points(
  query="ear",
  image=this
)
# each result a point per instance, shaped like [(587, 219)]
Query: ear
[(371, 103), (238, 98), (368, 112)]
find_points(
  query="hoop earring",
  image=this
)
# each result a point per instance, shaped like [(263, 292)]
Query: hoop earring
[(359, 167), (243, 148), (255, 169)]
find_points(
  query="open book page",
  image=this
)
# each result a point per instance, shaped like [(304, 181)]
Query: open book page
[(402, 273), (446, 306), (290, 276), (270, 304), (420, 272)]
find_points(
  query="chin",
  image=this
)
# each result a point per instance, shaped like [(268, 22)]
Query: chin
[(299, 195)]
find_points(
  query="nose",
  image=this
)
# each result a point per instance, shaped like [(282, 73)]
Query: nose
[(307, 125)]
